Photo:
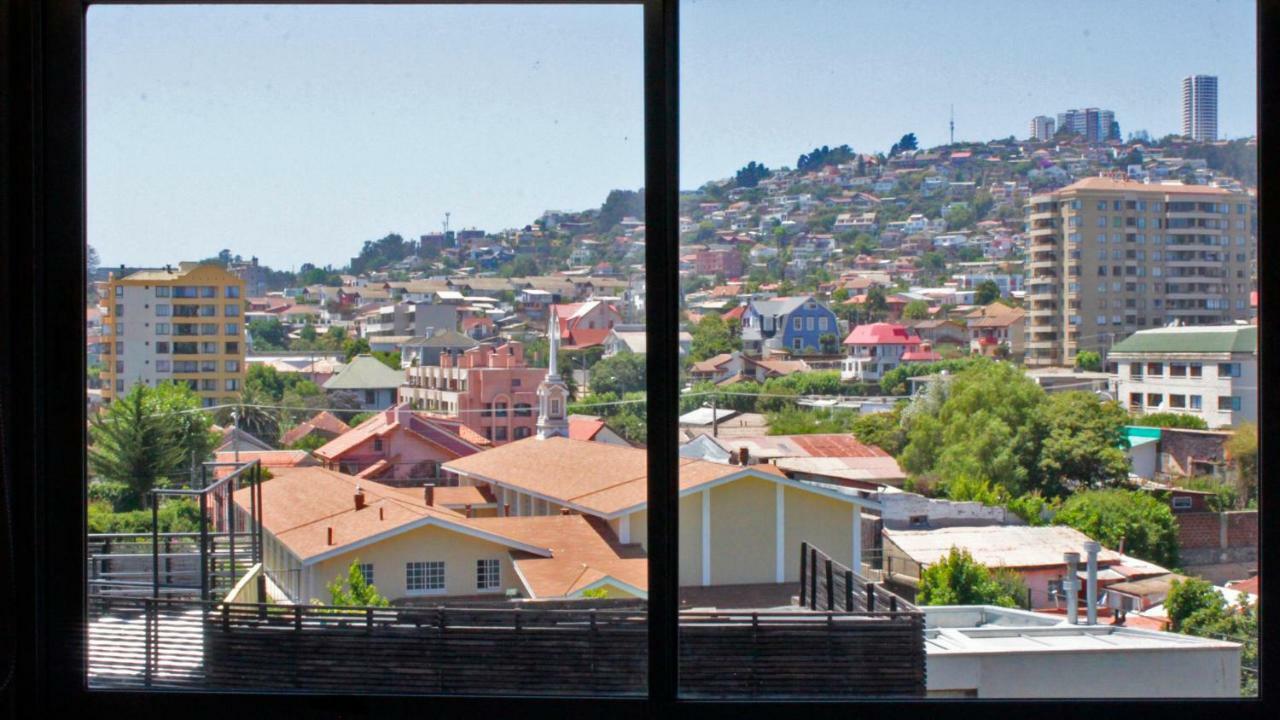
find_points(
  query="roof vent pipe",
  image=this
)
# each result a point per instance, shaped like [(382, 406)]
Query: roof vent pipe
[(1091, 549), (1071, 586), (429, 493)]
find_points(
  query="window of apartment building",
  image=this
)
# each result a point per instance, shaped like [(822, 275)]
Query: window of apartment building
[(1195, 369), (424, 576), (1154, 399), (1231, 370), (162, 291), (208, 328), (162, 309), (500, 432), (231, 348), (1229, 402), (231, 366), (208, 311), (208, 291), (208, 348), (488, 574), (233, 291), (1195, 402), (231, 310), (208, 385), (521, 432), (164, 366), (1177, 401), (231, 329), (1177, 369)]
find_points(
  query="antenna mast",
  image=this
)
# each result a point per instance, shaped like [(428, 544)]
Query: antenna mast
[(953, 124)]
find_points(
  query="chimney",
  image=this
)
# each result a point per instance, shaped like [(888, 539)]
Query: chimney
[(359, 498), (564, 511), (468, 509), (330, 529), (380, 515), (429, 493), (1070, 585), (744, 456), (506, 510), (1091, 549)]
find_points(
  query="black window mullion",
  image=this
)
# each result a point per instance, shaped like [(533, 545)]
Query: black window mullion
[(662, 294)]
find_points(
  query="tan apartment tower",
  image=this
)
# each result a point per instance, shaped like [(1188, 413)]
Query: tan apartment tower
[(184, 324), (1106, 258)]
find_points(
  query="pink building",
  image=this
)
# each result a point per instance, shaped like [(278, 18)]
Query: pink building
[(585, 324), (492, 391), (719, 262), (400, 447)]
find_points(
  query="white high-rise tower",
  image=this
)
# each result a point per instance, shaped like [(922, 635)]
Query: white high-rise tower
[(1200, 107), (553, 394)]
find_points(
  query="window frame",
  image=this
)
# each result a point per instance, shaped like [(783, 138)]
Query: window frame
[(44, 207)]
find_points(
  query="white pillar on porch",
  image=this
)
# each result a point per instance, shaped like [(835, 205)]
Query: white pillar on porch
[(624, 528), (780, 533), (856, 562), (706, 537)]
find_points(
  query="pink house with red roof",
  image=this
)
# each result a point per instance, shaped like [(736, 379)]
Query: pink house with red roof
[(585, 324), (877, 348), (400, 447)]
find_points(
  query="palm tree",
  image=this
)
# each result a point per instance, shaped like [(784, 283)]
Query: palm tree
[(250, 414)]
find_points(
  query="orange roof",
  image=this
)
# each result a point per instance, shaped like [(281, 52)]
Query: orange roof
[(584, 428), (584, 551), (1102, 183), (712, 364), (301, 505), (597, 478), (268, 458), (323, 421), (449, 435)]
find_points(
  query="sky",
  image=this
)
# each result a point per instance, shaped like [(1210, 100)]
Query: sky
[(295, 134)]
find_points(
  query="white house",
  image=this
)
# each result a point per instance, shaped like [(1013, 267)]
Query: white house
[(1207, 371), (877, 348)]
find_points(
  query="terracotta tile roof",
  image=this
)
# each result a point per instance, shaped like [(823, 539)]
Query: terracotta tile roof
[(598, 478), (449, 435), (712, 364), (584, 428), (586, 337), (324, 422), (584, 551), (300, 505)]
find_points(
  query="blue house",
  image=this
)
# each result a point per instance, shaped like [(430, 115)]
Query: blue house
[(791, 323)]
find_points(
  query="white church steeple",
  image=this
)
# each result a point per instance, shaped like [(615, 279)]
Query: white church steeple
[(553, 394)]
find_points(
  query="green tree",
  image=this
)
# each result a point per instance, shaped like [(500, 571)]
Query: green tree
[(1089, 361), (1083, 443), (916, 310), (354, 591), (883, 430), (751, 174), (253, 413), (134, 446), (1242, 451), (711, 337), (265, 381), (1145, 525), (1169, 420), (958, 579), (308, 332), (986, 293), (620, 374), (959, 217), (267, 334), (1191, 597), (190, 427), (351, 347)]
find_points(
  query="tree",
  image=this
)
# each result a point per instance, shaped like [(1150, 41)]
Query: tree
[(1082, 442), (711, 337), (1169, 420), (1145, 525), (1242, 451), (308, 332), (354, 591), (908, 142), (1089, 361), (916, 310), (179, 406), (133, 446), (958, 579), (1191, 597), (751, 175), (267, 334), (617, 205), (958, 217), (883, 430), (253, 414), (986, 293), (621, 373), (351, 347)]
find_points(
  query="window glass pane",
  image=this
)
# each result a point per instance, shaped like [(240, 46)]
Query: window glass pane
[(995, 368), (404, 349)]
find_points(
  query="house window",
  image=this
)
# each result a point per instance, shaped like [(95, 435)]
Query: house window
[(500, 433), (796, 324), (795, 343), (377, 444), (488, 574), (523, 410), (366, 569), (424, 576), (119, 291), (521, 433), (1181, 502), (370, 397)]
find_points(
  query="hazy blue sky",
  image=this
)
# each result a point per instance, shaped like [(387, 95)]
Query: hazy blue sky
[(297, 133)]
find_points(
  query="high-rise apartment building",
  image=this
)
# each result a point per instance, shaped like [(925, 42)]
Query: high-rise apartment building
[(1042, 127), (1106, 258), (184, 324), (1200, 107), (1093, 123)]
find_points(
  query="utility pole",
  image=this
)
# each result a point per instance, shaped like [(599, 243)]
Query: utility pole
[(715, 418), (953, 124)]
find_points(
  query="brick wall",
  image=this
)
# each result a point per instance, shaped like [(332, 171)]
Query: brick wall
[(1199, 530), (1206, 537), (1183, 444), (1242, 528)]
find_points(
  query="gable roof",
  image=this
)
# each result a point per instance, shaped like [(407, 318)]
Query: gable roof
[(323, 421), (365, 373), (443, 433), (233, 437), (779, 305), (301, 505), (881, 334), (584, 551)]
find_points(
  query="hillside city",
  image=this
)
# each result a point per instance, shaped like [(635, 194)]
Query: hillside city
[(1004, 384)]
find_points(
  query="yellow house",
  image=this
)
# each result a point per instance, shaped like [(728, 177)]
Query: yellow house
[(739, 525), (184, 324), (415, 546)]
